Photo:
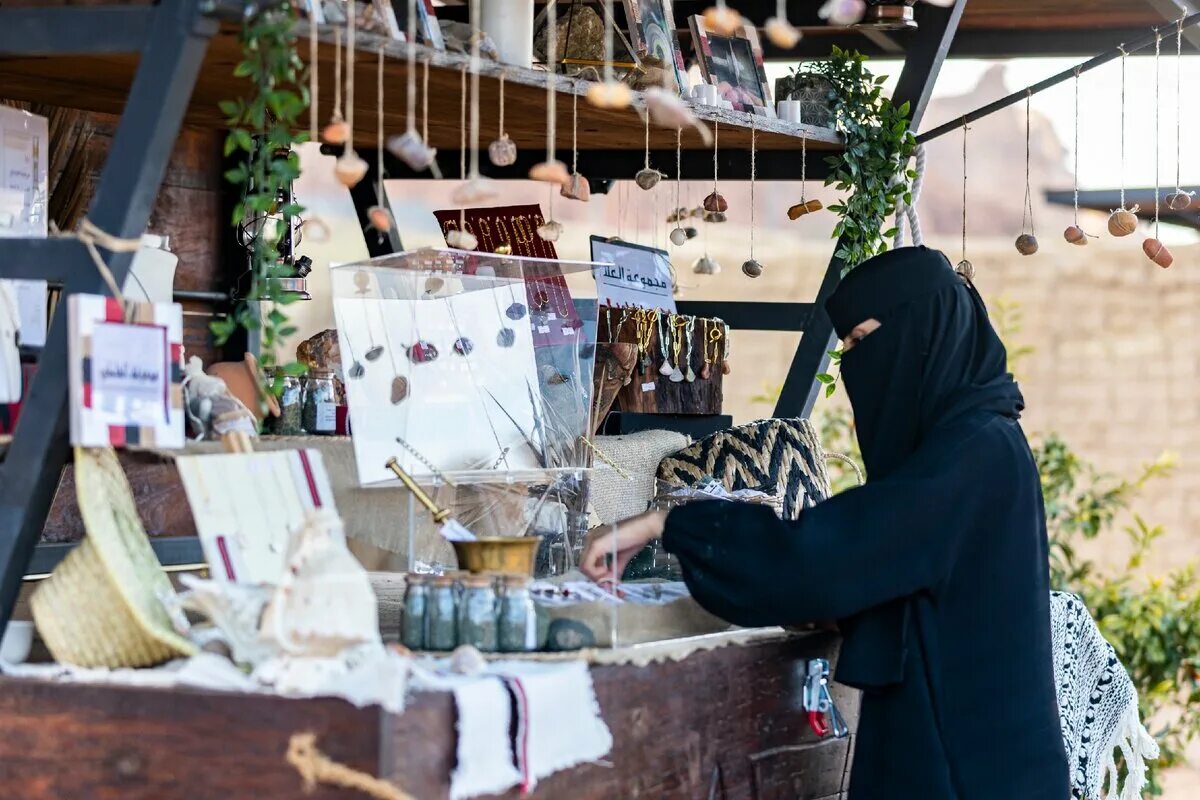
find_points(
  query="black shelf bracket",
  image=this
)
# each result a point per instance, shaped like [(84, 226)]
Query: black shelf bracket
[(171, 38)]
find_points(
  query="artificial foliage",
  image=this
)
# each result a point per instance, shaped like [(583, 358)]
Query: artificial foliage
[(263, 127), (873, 164)]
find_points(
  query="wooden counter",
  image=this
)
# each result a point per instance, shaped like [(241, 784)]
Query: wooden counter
[(725, 724)]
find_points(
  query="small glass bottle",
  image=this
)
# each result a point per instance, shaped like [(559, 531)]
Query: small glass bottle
[(441, 627), (518, 620), (416, 604), (477, 614), (291, 408), (319, 412)]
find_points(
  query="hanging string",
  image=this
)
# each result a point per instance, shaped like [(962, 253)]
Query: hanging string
[(1178, 105), (1121, 47), (716, 139), (425, 102), (475, 66), (753, 176), (647, 141), (608, 41), (678, 169), (1028, 208), (313, 104), (803, 157), (1076, 147), (503, 75), (379, 137), (1157, 123), (964, 188), (412, 66), (462, 139), (574, 132), (350, 27), (337, 74), (551, 94)]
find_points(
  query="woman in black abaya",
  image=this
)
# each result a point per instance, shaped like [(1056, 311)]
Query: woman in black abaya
[(936, 570)]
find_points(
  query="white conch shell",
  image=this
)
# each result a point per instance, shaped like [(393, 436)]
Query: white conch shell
[(668, 110), (324, 603), (235, 609)]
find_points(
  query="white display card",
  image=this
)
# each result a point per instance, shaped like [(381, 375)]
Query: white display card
[(632, 275)]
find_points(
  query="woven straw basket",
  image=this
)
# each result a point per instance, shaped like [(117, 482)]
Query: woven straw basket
[(106, 604)]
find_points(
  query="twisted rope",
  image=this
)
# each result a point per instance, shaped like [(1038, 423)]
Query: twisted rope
[(315, 767)]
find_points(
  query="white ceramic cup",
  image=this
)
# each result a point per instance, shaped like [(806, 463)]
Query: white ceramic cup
[(789, 110), (18, 639), (705, 94)]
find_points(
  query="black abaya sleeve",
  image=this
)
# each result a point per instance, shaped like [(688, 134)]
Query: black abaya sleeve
[(892, 538)]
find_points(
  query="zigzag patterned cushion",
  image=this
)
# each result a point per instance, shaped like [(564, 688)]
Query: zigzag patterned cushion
[(777, 456)]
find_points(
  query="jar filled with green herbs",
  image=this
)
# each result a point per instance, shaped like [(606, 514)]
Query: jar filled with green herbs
[(441, 619), (319, 404), (477, 624)]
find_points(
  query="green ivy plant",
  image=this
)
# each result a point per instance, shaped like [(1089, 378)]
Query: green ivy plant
[(872, 167), (262, 127)]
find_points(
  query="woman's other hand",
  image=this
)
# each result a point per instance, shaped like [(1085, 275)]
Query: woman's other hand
[(626, 539)]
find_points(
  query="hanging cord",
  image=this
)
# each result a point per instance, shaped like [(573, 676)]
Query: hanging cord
[(1076, 168), (1178, 104), (503, 76), (716, 140), (907, 212), (551, 94), (313, 105), (337, 75), (609, 22), (425, 102), (379, 193), (350, 27), (1157, 125), (678, 171), (412, 67), (462, 139), (315, 767), (647, 134), (803, 157), (92, 238), (574, 130), (964, 188), (1121, 47), (1028, 208), (753, 176), (475, 67)]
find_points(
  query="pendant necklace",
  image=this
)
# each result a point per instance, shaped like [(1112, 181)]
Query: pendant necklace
[(706, 338), (964, 267), (751, 268), (1075, 234), (678, 323), (350, 168), (362, 283), (409, 147), (1123, 221), (502, 151), (728, 333), (421, 352), (379, 217), (1178, 200), (400, 385), (1153, 247), (506, 336), (1027, 243), (689, 333), (663, 345)]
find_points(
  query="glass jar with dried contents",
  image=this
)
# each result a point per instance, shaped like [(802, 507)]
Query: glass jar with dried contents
[(518, 619), (477, 614), (416, 608), (441, 625), (319, 410)]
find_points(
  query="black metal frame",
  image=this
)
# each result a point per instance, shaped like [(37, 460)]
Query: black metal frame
[(171, 38)]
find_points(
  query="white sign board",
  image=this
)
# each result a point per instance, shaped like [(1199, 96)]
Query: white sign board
[(632, 275)]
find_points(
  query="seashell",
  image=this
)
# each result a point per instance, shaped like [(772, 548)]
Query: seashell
[(336, 132), (550, 172), (966, 269), (721, 19), (715, 216), (678, 236), (1180, 201), (609, 95), (648, 178), (691, 232), (1122, 222), (705, 265), (842, 12), (1075, 235), (716, 203), (467, 660), (1027, 244), (807, 207), (350, 169), (461, 240), (380, 218), (503, 151), (1157, 252), (751, 268), (399, 389), (412, 150), (577, 188), (474, 191), (782, 33), (550, 231)]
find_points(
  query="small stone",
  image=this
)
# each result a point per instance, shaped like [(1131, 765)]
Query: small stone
[(569, 634), (550, 231), (678, 236), (706, 266), (1075, 235), (350, 169), (752, 269), (506, 337), (550, 172), (1027, 244), (1180, 201), (380, 218), (467, 660), (462, 240), (647, 178), (782, 33), (399, 389), (336, 132), (715, 202), (722, 20), (1157, 252), (1122, 222), (410, 148), (577, 188), (503, 151)]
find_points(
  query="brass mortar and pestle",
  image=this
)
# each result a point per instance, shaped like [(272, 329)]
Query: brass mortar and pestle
[(508, 554)]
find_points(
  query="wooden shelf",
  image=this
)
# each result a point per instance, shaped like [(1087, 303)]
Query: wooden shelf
[(101, 83)]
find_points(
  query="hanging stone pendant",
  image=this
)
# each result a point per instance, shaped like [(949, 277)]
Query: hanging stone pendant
[(691, 373), (463, 346), (966, 269), (434, 285), (706, 266), (357, 370), (752, 269), (678, 236), (647, 178), (506, 337), (1180, 201), (1027, 244), (503, 151), (516, 311), (422, 353), (399, 389), (667, 368), (550, 231), (706, 371), (691, 232), (676, 375), (715, 202), (410, 148), (374, 353)]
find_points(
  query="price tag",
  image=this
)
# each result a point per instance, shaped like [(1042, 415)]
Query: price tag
[(648, 387)]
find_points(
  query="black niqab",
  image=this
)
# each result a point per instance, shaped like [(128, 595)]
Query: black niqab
[(936, 569)]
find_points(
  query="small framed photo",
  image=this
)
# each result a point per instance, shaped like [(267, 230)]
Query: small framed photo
[(652, 29), (428, 31), (734, 64)]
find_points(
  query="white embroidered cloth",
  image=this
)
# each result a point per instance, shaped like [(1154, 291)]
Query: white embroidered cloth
[(1098, 706)]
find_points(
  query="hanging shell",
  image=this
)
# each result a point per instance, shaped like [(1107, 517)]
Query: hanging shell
[(503, 151), (1122, 222), (842, 12), (648, 178), (410, 148), (550, 231), (1157, 252), (715, 202), (462, 240), (807, 207), (722, 20), (1027, 244), (550, 172), (336, 132), (380, 218), (610, 95), (1180, 201), (966, 269), (782, 33), (475, 191), (577, 188), (704, 265), (678, 236), (751, 268), (679, 215), (350, 169), (1075, 235)]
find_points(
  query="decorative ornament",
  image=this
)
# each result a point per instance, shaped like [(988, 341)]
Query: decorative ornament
[(1027, 243), (780, 32), (705, 266), (648, 178), (502, 151), (577, 186), (410, 147), (1157, 252), (400, 389), (751, 268), (461, 239), (380, 219), (804, 206), (350, 168), (610, 93), (336, 131), (504, 249), (1179, 200), (422, 353), (722, 20), (668, 110), (842, 13), (1123, 221), (474, 191), (516, 311), (550, 171), (716, 203), (678, 236), (463, 346), (506, 337), (964, 267), (1075, 235), (550, 231), (1154, 249)]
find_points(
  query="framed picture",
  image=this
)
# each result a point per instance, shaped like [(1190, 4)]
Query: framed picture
[(428, 31), (734, 64), (652, 28)]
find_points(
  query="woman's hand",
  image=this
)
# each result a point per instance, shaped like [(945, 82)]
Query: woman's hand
[(626, 539)]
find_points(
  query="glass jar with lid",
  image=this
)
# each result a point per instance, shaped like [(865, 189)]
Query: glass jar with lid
[(319, 410), (290, 407), (518, 619), (441, 626), (477, 614), (416, 608)]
